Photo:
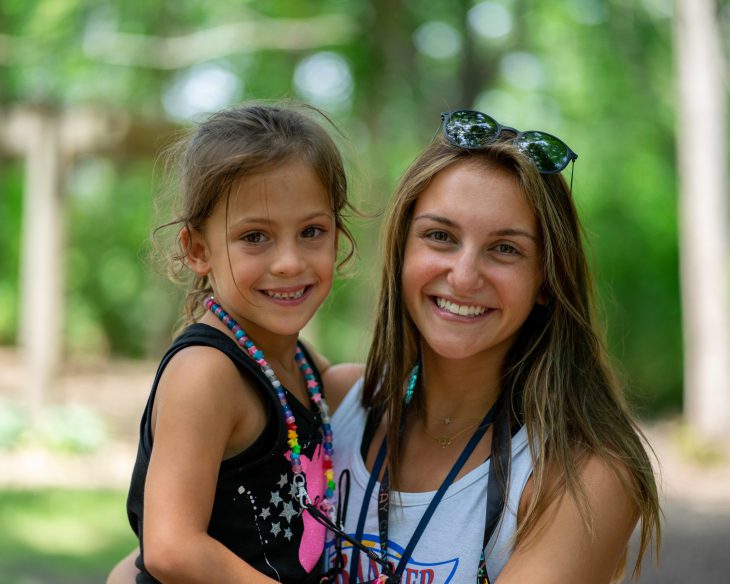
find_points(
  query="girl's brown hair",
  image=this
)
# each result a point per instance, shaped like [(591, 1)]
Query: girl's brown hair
[(556, 378), (233, 143)]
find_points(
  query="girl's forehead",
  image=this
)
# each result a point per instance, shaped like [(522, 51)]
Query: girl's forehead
[(286, 191)]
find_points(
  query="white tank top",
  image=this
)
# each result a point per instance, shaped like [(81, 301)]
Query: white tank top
[(449, 550)]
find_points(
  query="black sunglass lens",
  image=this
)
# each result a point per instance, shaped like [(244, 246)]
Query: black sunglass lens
[(549, 154), (471, 129)]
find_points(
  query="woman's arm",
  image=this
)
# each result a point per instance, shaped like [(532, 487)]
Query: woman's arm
[(559, 550), (125, 572), (204, 412), (337, 382), (337, 379)]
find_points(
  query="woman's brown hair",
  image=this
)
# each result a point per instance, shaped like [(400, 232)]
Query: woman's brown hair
[(556, 379)]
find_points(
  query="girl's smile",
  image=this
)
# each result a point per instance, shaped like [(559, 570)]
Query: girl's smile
[(290, 296), (269, 250)]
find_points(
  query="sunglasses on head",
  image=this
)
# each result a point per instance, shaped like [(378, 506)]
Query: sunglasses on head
[(473, 130)]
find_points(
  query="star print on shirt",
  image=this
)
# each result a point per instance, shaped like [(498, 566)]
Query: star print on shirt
[(288, 511), (265, 513), (275, 498), (287, 533), (283, 480), (293, 490), (275, 529)]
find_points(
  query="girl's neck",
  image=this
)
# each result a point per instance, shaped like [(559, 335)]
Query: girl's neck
[(464, 388), (278, 350)]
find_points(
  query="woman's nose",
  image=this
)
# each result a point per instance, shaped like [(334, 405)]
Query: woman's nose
[(465, 274)]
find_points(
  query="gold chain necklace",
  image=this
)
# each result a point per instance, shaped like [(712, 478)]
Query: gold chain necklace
[(445, 441)]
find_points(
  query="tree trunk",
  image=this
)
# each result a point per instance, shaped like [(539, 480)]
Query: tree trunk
[(703, 191), (41, 256)]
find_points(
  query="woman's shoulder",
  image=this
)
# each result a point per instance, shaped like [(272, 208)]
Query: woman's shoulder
[(590, 532)]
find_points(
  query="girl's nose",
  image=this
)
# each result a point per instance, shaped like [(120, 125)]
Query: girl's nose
[(288, 260), (465, 273)]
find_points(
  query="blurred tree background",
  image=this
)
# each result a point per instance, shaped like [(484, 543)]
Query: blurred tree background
[(598, 73)]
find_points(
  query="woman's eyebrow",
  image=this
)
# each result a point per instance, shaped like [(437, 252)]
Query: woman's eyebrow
[(437, 218), (507, 232), (512, 232)]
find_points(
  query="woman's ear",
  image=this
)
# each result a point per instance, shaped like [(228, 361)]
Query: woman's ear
[(196, 250)]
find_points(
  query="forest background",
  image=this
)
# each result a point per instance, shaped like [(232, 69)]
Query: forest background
[(597, 73)]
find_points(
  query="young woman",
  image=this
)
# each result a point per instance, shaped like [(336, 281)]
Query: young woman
[(494, 442)]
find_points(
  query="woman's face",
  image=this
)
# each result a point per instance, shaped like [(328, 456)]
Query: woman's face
[(472, 266)]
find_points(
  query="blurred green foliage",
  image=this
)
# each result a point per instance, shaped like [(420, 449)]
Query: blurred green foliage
[(62, 536), (68, 429), (596, 72)]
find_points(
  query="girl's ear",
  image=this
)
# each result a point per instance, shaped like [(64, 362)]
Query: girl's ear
[(196, 250)]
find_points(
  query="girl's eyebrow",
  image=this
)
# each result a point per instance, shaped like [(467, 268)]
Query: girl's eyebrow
[(508, 232), (268, 220)]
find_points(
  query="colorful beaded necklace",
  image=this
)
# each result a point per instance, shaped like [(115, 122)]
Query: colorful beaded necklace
[(314, 393)]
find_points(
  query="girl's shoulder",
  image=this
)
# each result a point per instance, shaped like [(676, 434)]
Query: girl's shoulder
[(202, 372), (201, 387)]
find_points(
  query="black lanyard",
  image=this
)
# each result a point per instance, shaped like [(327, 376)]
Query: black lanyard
[(384, 501), (498, 473)]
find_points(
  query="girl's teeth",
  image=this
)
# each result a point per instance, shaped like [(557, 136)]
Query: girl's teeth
[(286, 295), (461, 310)]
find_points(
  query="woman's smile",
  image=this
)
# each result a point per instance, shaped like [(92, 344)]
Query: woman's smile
[(471, 270), (466, 311)]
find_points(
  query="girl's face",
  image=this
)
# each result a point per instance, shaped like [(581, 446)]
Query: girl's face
[(471, 272), (270, 258)]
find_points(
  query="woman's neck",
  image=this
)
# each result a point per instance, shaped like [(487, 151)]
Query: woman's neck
[(454, 389)]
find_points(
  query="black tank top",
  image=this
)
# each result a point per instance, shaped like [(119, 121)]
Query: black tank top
[(255, 512)]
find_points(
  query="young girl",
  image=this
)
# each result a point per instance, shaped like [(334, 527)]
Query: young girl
[(235, 438), (495, 442)]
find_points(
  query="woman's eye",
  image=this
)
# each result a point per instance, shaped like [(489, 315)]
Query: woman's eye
[(506, 248), (440, 236), (311, 231), (254, 237)]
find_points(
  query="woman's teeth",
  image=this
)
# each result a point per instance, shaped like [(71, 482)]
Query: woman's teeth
[(460, 309)]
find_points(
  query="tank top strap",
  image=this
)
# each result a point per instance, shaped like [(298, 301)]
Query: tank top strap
[(199, 334)]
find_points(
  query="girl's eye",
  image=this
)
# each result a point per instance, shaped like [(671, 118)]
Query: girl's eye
[(254, 237), (311, 231)]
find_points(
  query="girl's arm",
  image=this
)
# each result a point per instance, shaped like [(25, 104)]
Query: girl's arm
[(125, 572), (204, 412), (561, 551)]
